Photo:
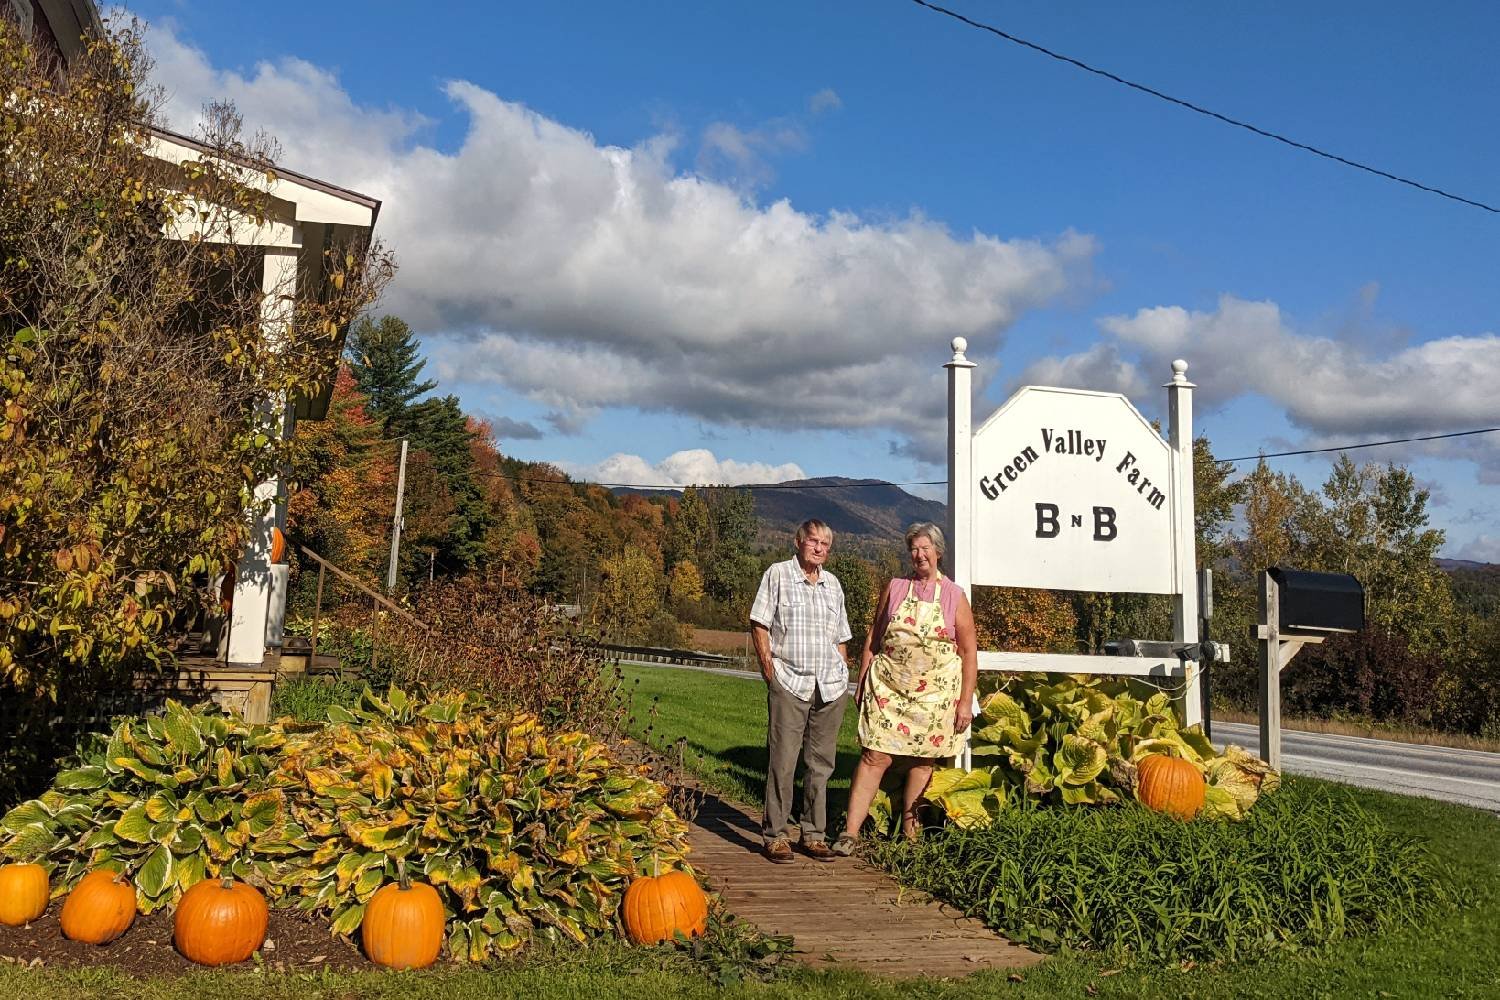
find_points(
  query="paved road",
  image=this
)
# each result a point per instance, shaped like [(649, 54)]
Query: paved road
[(1468, 777)]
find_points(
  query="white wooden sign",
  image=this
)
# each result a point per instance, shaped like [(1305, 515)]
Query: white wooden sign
[(1071, 490)]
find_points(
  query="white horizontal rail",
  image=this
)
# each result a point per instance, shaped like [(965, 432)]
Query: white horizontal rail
[(1068, 663)]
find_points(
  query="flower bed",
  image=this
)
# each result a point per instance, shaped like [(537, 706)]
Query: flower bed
[(524, 833)]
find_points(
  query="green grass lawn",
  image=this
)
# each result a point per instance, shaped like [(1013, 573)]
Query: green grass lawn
[(723, 720)]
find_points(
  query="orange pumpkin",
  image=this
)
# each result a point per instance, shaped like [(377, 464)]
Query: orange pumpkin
[(657, 907), (403, 926), (1170, 785), (278, 545), (99, 909), (23, 893), (220, 921)]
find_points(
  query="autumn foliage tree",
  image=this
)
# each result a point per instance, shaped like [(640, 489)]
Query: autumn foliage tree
[(344, 482), (142, 395)]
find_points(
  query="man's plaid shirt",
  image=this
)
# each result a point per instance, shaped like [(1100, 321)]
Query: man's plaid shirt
[(807, 621)]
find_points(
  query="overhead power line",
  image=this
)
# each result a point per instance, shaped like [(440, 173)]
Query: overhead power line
[(705, 486), (1356, 447), (513, 477), (1189, 105)]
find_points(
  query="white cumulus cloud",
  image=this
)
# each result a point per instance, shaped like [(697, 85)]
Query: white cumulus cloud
[(586, 275), (697, 466)]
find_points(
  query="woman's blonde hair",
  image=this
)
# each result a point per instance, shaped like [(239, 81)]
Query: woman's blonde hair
[(933, 533)]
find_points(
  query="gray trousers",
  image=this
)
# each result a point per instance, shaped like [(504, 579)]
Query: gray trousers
[(810, 728)]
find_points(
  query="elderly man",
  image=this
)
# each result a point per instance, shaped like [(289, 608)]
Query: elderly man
[(800, 630)]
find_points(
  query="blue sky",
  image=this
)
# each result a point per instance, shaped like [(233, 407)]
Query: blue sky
[(673, 242)]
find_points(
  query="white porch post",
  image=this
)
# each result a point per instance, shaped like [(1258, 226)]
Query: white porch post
[(1184, 532), (253, 585)]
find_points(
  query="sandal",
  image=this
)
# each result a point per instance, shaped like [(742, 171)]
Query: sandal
[(845, 845)]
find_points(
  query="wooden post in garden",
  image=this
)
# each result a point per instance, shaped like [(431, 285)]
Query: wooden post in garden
[(1270, 671)]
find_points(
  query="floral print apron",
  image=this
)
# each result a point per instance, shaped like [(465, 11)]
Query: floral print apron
[(912, 688)]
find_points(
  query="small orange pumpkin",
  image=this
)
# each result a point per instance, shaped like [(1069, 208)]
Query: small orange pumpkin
[(23, 894), (403, 926), (100, 908), (1170, 785), (278, 545), (220, 921), (658, 906)]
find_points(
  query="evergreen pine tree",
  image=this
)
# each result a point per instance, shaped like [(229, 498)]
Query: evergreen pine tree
[(383, 357)]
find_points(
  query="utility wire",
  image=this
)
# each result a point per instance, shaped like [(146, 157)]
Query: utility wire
[(513, 477), (705, 486), (1355, 447), (1205, 111)]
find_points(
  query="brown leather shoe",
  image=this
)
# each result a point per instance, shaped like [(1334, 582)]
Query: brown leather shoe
[(818, 850), (779, 851)]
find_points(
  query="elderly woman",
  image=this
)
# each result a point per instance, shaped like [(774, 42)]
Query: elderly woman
[(916, 681)]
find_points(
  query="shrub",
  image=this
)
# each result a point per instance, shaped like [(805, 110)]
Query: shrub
[(522, 832), (169, 799), (1075, 741), (513, 648), (134, 369), (1307, 868)]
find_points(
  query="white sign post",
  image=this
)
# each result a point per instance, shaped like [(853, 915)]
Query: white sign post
[(1068, 489)]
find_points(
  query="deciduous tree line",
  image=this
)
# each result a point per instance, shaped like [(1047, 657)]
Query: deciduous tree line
[(641, 568)]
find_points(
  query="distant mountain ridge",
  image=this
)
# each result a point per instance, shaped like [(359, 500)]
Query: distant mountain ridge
[(869, 508)]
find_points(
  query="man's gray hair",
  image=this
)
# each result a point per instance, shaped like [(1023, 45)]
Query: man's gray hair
[(932, 532), (807, 527)]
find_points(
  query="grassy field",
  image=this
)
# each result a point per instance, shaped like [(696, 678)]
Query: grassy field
[(723, 720)]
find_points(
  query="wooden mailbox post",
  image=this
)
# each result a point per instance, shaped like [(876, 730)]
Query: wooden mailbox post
[(1296, 608)]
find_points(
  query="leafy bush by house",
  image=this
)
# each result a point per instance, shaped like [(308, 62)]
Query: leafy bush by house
[(135, 368), (1305, 869), (523, 832)]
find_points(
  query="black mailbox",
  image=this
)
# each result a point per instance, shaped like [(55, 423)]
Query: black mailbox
[(1325, 602)]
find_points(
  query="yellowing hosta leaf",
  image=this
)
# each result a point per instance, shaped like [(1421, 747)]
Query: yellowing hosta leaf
[(82, 778), (347, 920), (182, 736), (1079, 761), (382, 780), (156, 875), (967, 808), (190, 870), (1218, 803), (134, 825), (946, 780), (29, 844), (368, 882), (224, 765), (161, 806), (24, 815)]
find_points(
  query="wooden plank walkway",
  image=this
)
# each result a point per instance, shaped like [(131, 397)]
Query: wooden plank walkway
[(845, 913)]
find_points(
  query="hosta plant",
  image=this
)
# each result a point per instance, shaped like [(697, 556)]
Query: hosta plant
[(1076, 740), (521, 831), (168, 800)]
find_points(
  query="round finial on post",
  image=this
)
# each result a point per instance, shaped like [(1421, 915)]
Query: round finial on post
[(959, 346), (1179, 370)]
